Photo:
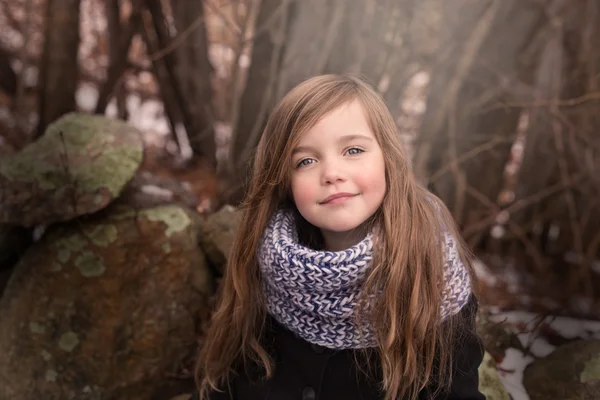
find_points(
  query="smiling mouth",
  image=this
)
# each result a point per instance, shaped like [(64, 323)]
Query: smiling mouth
[(338, 198)]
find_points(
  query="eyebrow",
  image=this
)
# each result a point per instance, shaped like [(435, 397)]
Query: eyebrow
[(343, 139)]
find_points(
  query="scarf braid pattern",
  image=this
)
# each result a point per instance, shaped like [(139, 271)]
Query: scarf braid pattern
[(313, 293)]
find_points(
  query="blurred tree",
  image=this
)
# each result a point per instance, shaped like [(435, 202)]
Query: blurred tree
[(465, 138), (296, 40), (562, 152), (193, 75), (188, 71), (8, 77), (59, 68), (258, 98), (120, 37)]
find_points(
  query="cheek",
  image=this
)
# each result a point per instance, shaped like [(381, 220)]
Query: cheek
[(372, 181), (303, 192)]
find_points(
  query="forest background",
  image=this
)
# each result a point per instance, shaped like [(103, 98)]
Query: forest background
[(497, 102)]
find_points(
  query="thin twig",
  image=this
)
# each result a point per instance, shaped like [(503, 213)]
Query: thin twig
[(470, 51), (235, 29), (554, 103), (538, 258), (523, 203), (472, 153), (14, 23), (183, 35), (268, 25)]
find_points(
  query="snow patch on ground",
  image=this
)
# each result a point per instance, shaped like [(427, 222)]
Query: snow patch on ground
[(511, 373), (86, 97)]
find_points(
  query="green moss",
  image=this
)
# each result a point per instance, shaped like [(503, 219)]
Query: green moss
[(86, 142), (68, 245), (51, 375), (173, 217), (34, 327), (77, 130), (102, 235), (166, 247), (90, 265), (46, 355), (116, 167), (68, 341), (489, 381), (32, 168), (591, 370), (63, 255), (37, 162)]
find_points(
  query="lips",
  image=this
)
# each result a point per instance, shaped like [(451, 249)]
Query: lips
[(336, 196)]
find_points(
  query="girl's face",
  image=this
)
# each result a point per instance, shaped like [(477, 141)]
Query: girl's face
[(338, 176)]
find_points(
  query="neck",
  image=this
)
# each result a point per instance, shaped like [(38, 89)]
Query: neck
[(338, 241)]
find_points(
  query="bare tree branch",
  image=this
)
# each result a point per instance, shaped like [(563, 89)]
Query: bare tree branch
[(118, 59)]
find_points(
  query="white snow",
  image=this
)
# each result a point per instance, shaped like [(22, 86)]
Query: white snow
[(86, 96), (157, 192), (511, 373)]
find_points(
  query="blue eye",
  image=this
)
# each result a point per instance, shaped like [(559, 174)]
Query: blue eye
[(304, 162), (354, 151)]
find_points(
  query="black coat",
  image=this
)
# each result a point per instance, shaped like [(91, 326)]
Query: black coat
[(304, 371)]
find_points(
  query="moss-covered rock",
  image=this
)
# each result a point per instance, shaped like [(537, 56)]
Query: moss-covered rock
[(77, 167), (216, 234), (571, 372), (489, 381), (102, 307), (13, 241)]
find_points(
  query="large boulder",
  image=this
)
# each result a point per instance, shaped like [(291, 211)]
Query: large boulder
[(571, 372), (79, 166), (103, 307), (217, 233), (147, 190), (13, 242)]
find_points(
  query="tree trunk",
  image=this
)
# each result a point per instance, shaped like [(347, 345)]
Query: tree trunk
[(258, 97), (8, 78), (366, 38), (120, 38), (195, 112), (314, 27), (466, 136), (58, 66), (159, 69), (193, 73)]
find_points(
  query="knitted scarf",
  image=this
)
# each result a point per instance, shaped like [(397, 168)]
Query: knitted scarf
[(313, 293)]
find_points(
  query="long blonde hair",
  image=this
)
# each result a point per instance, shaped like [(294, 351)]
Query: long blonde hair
[(414, 348)]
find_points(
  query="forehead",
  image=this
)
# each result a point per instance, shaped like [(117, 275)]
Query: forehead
[(349, 119)]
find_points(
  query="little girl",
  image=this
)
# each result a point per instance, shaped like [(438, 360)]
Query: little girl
[(346, 279)]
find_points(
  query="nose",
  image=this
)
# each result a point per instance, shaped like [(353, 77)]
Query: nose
[(332, 172)]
